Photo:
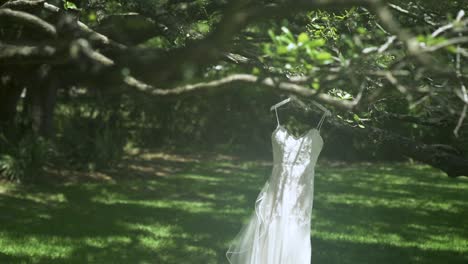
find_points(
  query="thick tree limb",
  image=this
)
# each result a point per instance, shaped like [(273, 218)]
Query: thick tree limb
[(99, 38), (210, 49), (23, 5), (28, 19), (287, 86), (157, 66), (79, 49), (39, 5), (449, 42), (14, 54)]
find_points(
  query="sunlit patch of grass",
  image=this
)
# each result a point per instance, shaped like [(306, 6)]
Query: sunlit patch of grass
[(363, 213), (45, 198), (34, 246), (6, 186), (200, 177), (403, 202), (449, 243), (187, 206), (412, 211)]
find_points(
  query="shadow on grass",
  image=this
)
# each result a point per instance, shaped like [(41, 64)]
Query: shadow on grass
[(13, 259), (178, 210), (345, 252)]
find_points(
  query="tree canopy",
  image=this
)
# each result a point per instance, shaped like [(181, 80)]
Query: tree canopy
[(378, 65)]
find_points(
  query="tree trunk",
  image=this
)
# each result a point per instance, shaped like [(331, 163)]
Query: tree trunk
[(40, 105), (10, 94)]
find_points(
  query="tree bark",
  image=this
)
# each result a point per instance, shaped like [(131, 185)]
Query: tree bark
[(10, 94), (40, 105)]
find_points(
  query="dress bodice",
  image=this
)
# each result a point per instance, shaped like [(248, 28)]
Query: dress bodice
[(289, 191), (291, 150), (278, 232)]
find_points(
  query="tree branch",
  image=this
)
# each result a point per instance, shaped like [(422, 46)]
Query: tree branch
[(169, 66), (269, 82), (409, 14), (28, 19), (23, 5), (14, 54)]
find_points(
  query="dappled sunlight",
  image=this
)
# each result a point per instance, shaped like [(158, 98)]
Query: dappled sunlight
[(73, 176), (201, 178), (40, 197), (380, 211), (366, 201), (106, 241), (154, 156), (6, 186), (33, 246), (193, 207), (394, 205), (455, 244)]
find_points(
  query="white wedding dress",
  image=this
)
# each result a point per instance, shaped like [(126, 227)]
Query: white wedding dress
[(278, 231)]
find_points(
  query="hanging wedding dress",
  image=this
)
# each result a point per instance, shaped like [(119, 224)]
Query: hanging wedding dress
[(278, 231)]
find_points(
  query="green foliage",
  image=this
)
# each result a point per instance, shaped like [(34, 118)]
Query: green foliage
[(24, 160), (68, 5), (429, 40), (325, 46), (109, 146), (295, 54), (90, 137), (157, 42), (341, 94)]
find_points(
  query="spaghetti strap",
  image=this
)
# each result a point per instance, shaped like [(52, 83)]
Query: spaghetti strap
[(277, 119), (321, 121), (275, 106)]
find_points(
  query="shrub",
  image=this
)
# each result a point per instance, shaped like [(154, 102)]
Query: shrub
[(24, 160)]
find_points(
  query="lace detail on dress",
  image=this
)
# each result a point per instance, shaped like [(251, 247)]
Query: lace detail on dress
[(292, 180), (281, 222)]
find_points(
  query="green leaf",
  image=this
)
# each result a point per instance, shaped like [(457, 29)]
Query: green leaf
[(289, 36), (267, 49), (256, 71), (156, 42), (316, 43), (69, 5), (316, 85), (271, 34), (303, 38), (361, 30), (323, 56), (356, 117), (346, 96), (283, 39), (285, 30), (451, 49), (421, 38), (311, 52), (203, 27), (282, 50)]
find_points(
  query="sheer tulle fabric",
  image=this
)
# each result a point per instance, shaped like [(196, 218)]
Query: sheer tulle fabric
[(278, 230)]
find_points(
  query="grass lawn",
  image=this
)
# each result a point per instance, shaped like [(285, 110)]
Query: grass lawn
[(179, 209)]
